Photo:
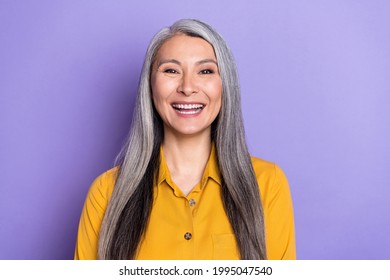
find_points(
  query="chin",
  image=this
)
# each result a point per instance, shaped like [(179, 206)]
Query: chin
[(191, 131)]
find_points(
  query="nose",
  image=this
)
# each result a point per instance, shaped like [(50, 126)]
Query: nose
[(187, 85)]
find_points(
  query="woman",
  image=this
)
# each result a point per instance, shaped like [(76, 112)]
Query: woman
[(185, 186)]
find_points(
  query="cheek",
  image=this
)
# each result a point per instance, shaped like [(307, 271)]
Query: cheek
[(160, 97), (157, 91), (158, 102), (216, 93), (161, 87)]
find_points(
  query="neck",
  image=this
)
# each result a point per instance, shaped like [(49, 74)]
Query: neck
[(183, 151), (186, 157)]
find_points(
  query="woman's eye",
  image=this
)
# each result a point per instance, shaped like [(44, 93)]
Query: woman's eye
[(207, 71), (170, 71)]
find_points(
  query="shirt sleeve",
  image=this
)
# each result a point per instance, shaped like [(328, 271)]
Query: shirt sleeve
[(279, 218), (91, 218)]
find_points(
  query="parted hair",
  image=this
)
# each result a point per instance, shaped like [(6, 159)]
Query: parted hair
[(128, 211)]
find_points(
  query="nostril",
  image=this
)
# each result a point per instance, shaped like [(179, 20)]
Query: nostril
[(187, 86)]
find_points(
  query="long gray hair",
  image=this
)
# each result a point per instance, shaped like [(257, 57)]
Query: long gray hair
[(128, 212)]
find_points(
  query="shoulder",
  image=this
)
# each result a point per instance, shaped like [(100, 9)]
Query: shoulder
[(278, 210), (93, 213), (266, 170), (260, 165), (270, 177), (108, 176), (103, 186)]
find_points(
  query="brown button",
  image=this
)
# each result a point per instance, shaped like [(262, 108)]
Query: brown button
[(187, 236), (192, 202)]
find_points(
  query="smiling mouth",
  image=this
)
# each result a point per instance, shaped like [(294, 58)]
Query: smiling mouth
[(188, 109)]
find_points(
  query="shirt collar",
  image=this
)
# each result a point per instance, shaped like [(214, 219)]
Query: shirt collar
[(211, 170), (163, 172)]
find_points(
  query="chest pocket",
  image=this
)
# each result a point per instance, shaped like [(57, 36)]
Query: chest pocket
[(225, 247)]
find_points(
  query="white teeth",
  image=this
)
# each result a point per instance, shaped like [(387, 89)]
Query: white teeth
[(188, 109), (187, 106)]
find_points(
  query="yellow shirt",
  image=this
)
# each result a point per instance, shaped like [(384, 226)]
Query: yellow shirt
[(194, 226)]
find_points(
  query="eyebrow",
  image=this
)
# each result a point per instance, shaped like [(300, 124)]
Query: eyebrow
[(203, 61), (207, 60)]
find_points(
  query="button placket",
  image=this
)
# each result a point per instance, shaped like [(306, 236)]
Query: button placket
[(192, 202), (187, 236)]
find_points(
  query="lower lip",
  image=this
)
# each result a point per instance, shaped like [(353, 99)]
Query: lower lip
[(188, 114)]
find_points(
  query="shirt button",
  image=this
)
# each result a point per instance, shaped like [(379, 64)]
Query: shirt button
[(192, 202), (187, 236)]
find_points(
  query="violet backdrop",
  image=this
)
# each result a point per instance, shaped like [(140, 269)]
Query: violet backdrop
[(315, 97)]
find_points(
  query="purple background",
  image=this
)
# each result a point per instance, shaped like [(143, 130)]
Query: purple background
[(315, 90)]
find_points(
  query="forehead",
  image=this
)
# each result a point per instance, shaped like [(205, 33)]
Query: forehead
[(184, 46)]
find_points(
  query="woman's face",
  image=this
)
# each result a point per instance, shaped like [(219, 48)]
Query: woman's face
[(186, 85)]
